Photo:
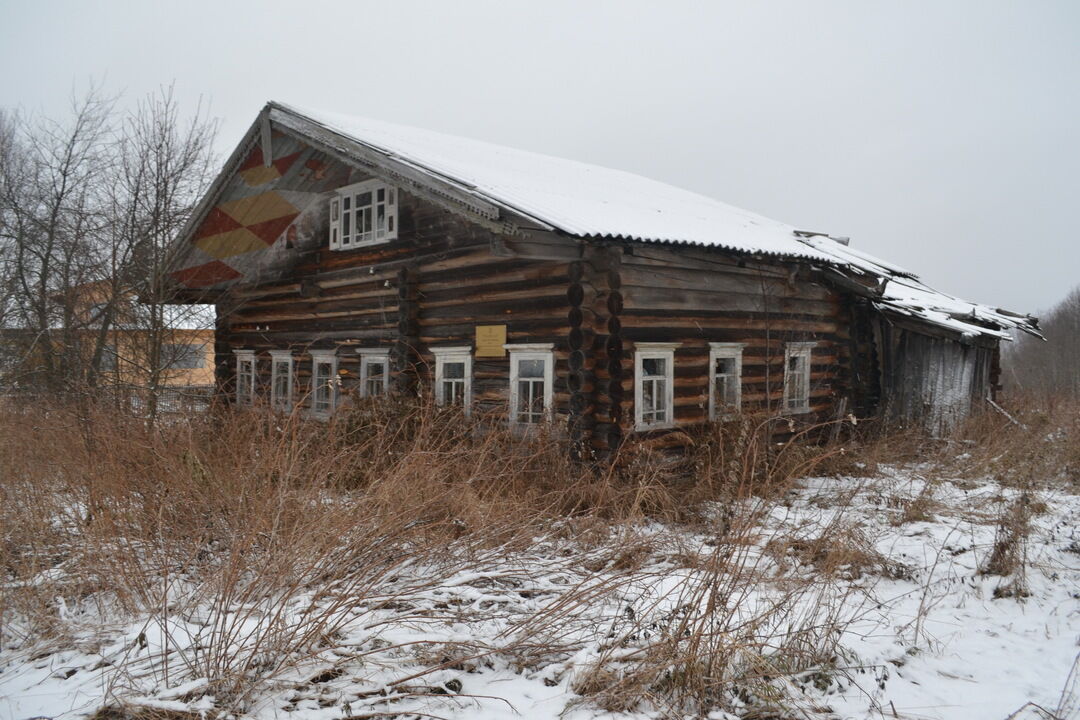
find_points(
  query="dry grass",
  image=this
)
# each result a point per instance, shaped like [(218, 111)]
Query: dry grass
[(236, 515), (230, 520)]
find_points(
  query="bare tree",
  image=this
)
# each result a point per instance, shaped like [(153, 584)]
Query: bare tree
[(50, 201), (1053, 365), (163, 166), (88, 210)]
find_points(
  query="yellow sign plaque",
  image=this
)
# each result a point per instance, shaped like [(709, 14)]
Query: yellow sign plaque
[(490, 340)]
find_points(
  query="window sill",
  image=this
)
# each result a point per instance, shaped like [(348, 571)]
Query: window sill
[(360, 246), (642, 427)]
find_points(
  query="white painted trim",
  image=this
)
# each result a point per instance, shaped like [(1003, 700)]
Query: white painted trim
[(529, 347), (656, 346), (277, 357), (245, 356), (531, 351), (719, 350), (457, 354), (649, 351), (367, 355), (324, 357), (800, 350), (391, 201)]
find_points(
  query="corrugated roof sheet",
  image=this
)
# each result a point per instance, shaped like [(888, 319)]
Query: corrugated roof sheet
[(577, 198)]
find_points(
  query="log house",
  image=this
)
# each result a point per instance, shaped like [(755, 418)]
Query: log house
[(344, 253)]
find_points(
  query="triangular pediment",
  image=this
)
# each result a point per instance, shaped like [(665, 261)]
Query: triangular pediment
[(268, 204)]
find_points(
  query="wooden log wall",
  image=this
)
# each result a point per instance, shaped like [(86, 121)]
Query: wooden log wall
[(596, 361), (694, 297), (430, 287)]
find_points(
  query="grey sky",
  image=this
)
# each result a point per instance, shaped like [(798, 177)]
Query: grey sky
[(942, 136)]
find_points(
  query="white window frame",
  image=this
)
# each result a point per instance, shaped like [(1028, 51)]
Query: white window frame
[(324, 357), (654, 351), (339, 240), (367, 356), (803, 350), (451, 355), (242, 357), (730, 351), (531, 351), (278, 357)]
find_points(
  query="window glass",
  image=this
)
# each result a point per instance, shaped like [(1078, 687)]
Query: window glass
[(797, 379), (653, 388), (452, 379), (453, 383), (531, 368), (652, 366), (108, 358), (245, 380), (281, 374), (530, 389), (322, 400), (375, 382), (182, 356)]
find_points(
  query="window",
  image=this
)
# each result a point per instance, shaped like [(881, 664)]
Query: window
[(281, 379), (797, 377), (531, 369), (453, 376), (363, 214), (725, 379), (245, 377), (374, 371), (324, 381), (654, 385), (182, 356), (108, 358)]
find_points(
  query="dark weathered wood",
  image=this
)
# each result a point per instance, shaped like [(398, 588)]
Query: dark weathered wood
[(455, 266)]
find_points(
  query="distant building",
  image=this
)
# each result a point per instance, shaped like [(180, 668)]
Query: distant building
[(345, 253), (178, 341)]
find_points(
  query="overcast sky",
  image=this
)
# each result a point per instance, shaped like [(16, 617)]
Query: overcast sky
[(943, 136)]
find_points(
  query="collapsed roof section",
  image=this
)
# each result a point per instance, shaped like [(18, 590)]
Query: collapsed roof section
[(512, 189)]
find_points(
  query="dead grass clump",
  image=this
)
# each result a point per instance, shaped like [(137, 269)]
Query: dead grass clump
[(1008, 556), (921, 508), (842, 551)]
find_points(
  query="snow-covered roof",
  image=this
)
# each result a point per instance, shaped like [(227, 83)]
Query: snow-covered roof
[(591, 201), (574, 197)]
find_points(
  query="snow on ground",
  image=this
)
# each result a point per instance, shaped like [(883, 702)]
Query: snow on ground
[(925, 635)]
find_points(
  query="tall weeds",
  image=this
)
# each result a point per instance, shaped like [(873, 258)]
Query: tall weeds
[(248, 541)]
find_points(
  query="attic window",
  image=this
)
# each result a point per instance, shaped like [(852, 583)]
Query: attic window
[(363, 214)]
